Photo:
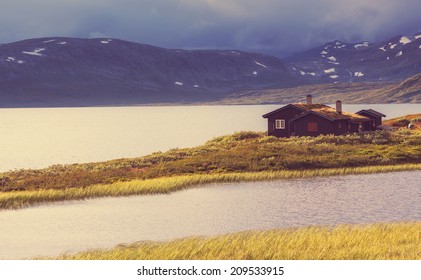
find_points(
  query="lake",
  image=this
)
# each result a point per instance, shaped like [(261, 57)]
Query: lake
[(209, 210), (36, 138)]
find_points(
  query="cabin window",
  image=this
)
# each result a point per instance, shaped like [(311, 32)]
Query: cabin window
[(340, 125), (280, 124), (312, 127)]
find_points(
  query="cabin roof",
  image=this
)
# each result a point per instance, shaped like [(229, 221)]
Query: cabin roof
[(334, 115), (321, 110), (281, 109), (301, 106), (372, 112)]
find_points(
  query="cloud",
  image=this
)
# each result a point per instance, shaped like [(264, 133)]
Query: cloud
[(271, 26)]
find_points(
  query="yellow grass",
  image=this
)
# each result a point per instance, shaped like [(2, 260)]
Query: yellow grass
[(378, 241), (11, 200)]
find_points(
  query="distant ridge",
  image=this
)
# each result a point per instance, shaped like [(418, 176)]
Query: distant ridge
[(408, 91), (57, 72), (89, 72)]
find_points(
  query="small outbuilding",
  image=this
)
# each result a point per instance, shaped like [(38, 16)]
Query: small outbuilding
[(310, 119), (374, 116)]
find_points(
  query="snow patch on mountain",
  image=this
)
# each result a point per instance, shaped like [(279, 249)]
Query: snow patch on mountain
[(49, 41), (196, 86), (178, 83), (260, 64), (36, 52), (12, 59), (62, 43), (308, 73), (328, 71), (392, 46), (334, 76), (323, 52), (399, 53), (358, 74), (255, 73), (361, 45), (404, 40), (417, 36), (105, 41), (383, 48), (339, 45), (332, 58)]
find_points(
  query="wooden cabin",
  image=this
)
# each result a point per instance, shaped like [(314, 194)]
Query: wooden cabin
[(308, 119), (374, 116)]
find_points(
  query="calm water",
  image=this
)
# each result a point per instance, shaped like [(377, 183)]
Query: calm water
[(36, 138), (214, 209)]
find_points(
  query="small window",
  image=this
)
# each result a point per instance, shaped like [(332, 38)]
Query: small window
[(280, 124), (312, 127)]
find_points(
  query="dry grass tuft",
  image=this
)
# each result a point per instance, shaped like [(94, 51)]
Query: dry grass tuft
[(400, 241)]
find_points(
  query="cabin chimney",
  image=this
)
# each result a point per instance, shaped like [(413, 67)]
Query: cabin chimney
[(309, 99), (339, 106)]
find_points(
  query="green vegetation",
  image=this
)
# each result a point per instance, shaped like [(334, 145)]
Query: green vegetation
[(236, 157), (379, 241)]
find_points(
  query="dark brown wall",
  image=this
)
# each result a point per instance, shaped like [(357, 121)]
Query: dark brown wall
[(366, 126), (340, 127), (353, 127), (287, 114), (324, 126), (377, 120)]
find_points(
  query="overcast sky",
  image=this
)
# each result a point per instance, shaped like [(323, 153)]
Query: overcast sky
[(278, 27)]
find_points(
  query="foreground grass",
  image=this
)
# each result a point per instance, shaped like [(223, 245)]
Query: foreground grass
[(400, 241), (18, 199)]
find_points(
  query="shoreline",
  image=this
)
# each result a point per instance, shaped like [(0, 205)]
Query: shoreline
[(242, 156), (378, 241), (164, 185)]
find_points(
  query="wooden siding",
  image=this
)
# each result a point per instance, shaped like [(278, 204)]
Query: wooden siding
[(324, 126), (375, 121), (287, 114), (314, 124)]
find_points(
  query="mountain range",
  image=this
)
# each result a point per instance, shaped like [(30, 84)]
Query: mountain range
[(391, 60), (407, 91), (49, 72)]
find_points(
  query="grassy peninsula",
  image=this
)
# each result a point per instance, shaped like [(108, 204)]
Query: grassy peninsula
[(237, 157), (399, 241)]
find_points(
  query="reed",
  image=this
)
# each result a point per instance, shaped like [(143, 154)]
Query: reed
[(18, 199), (399, 241)]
